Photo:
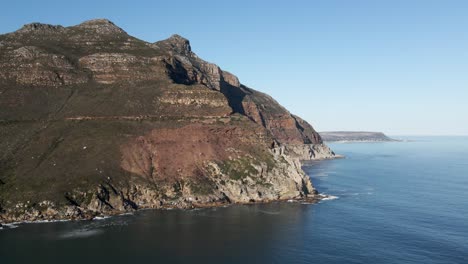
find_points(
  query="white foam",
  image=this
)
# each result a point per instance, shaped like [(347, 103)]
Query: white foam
[(326, 197), (10, 226), (330, 197), (101, 217), (15, 224), (44, 221), (129, 213)]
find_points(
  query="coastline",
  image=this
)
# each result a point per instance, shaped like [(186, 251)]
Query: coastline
[(299, 157), (316, 198), (85, 215), (363, 141)]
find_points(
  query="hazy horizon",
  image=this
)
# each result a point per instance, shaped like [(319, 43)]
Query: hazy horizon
[(396, 67)]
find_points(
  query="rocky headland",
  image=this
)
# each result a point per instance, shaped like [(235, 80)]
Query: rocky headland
[(355, 136), (96, 122)]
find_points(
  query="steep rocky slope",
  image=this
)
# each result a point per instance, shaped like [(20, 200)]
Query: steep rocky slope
[(94, 121)]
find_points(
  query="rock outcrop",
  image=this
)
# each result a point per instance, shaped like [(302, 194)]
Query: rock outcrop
[(94, 121)]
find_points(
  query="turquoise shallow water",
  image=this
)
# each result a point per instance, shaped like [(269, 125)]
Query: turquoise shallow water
[(398, 202)]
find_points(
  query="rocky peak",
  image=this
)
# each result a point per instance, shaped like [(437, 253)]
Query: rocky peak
[(35, 27), (176, 43), (101, 26)]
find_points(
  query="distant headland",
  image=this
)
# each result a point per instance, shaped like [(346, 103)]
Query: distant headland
[(355, 136)]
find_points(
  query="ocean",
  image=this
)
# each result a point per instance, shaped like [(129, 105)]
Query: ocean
[(394, 202)]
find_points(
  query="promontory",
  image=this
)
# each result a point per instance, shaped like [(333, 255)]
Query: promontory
[(94, 121)]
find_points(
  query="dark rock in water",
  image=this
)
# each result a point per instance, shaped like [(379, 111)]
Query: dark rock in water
[(95, 121), (355, 136)]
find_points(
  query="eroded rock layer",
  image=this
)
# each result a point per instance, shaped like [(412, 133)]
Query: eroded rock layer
[(94, 121)]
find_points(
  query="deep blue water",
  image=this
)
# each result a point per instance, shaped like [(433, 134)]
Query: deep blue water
[(398, 202)]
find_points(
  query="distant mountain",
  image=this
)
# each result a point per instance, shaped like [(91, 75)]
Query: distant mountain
[(95, 121), (355, 136)]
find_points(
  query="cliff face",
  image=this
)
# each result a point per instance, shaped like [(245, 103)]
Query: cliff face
[(96, 121)]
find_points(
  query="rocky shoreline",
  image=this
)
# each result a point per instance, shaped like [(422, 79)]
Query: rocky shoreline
[(117, 205), (88, 216)]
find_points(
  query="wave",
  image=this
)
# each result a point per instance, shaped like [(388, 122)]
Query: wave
[(9, 226), (16, 224), (101, 217), (129, 213), (82, 233), (358, 193), (44, 221), (330, 197), (327, 197)]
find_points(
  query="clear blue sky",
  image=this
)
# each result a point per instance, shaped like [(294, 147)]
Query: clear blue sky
[(400, 67)]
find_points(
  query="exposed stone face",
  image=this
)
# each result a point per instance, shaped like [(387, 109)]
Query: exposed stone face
[(112, 67), (101, 26), (195, 97), (94, 121), (176, 45), (31, 65), (251, 110), (305, 152), (152, 156), (309, 135), (231, 79), (39, 27), (286, 128)]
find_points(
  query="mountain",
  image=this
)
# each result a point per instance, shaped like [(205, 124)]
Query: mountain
[(358, 136), (94, 121)]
